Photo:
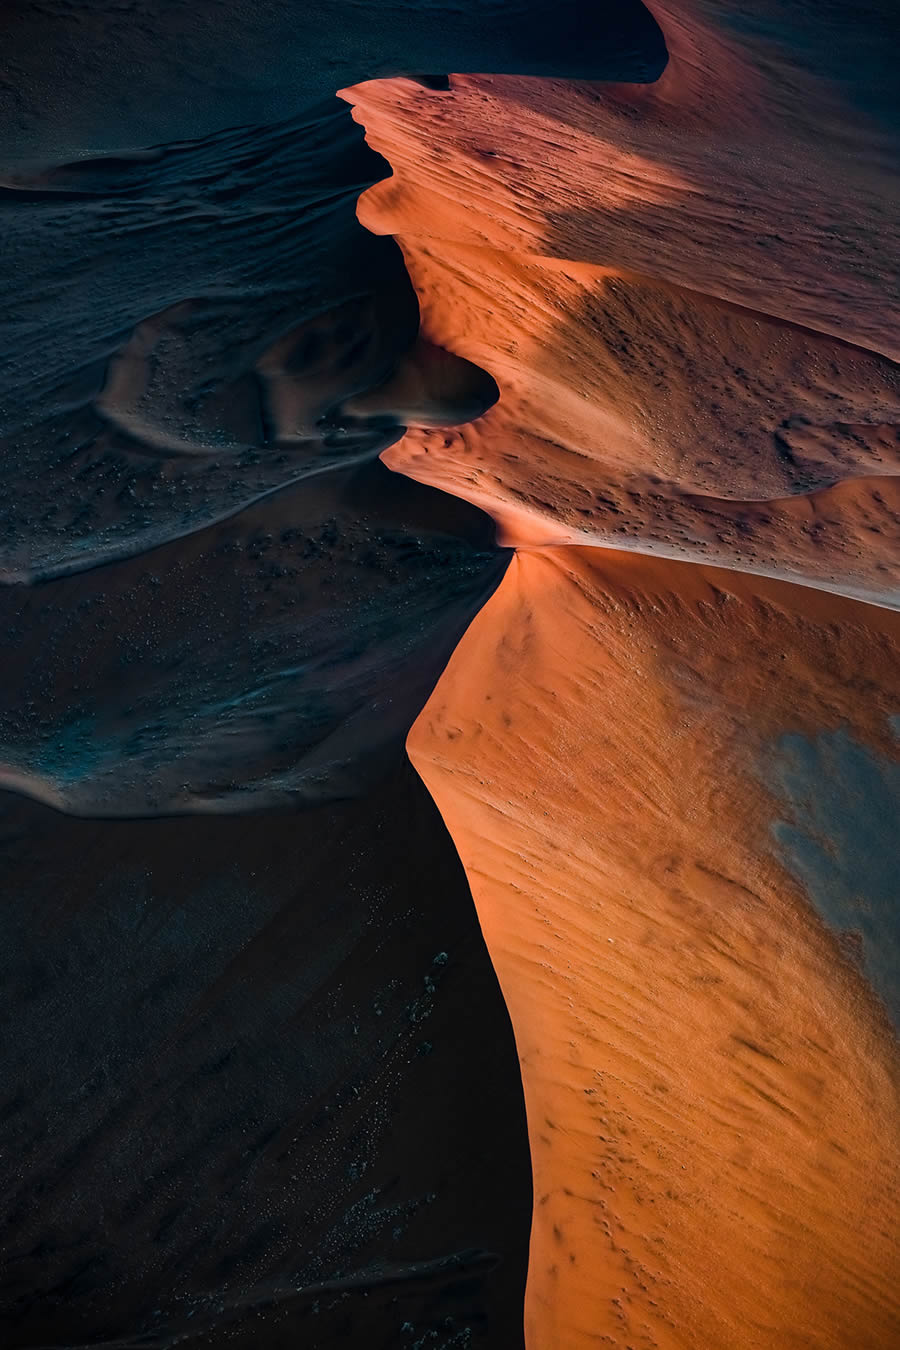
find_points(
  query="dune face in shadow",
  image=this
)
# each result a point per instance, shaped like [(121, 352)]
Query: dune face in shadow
[(262, 1088), (278, 659), (189, 326), (149, 73), (661, 774), (430, 387)]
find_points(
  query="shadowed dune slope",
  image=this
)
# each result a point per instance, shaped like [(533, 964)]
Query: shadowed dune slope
[(178, 331), (277, 659), (226, 1113)]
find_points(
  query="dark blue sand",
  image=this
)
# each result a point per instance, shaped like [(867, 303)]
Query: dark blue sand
[(96, 76), (841, 839)]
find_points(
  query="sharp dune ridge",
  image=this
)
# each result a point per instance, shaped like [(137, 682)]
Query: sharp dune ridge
[(611, 651), (655, 769)]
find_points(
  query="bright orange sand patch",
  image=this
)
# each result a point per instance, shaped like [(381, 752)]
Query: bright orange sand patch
[(711, 1089)]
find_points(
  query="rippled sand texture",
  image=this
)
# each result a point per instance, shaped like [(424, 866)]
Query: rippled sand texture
[(665, 748)]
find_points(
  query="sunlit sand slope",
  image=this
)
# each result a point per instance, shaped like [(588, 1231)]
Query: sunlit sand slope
[(673, 777), (638, 763), (686, 291)]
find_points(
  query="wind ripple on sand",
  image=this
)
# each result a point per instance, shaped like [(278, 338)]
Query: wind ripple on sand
[(179, 328)]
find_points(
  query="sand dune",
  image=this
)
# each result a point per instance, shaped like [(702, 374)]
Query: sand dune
[(658, 344), (660, 335), (711, 1086), (673, 787)]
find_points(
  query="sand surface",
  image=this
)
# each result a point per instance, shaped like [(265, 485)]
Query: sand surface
[(632, 299), (228, 1107), (673, 777), (711, 1086)]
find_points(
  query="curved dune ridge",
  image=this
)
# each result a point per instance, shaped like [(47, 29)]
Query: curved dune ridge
[(249, 1059), (674, 777), (263, 1083)]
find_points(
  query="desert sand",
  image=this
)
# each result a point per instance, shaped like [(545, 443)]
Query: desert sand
[(225, 1106), (710, 1084), (634, 296), (667, 749)]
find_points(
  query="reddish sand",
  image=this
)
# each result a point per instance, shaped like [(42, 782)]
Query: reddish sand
[(687, 296), (710, 1087), (656, 276)]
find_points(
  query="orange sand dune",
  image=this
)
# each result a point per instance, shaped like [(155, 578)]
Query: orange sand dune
[(638, 413), (711, 1087), (686, 291), (760, 168), (675, 788)]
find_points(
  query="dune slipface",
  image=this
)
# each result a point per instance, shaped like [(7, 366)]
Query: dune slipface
[(225, 1109), (667, 748)]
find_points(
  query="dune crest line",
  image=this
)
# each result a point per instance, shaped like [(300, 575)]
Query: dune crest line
[(699, 404)]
